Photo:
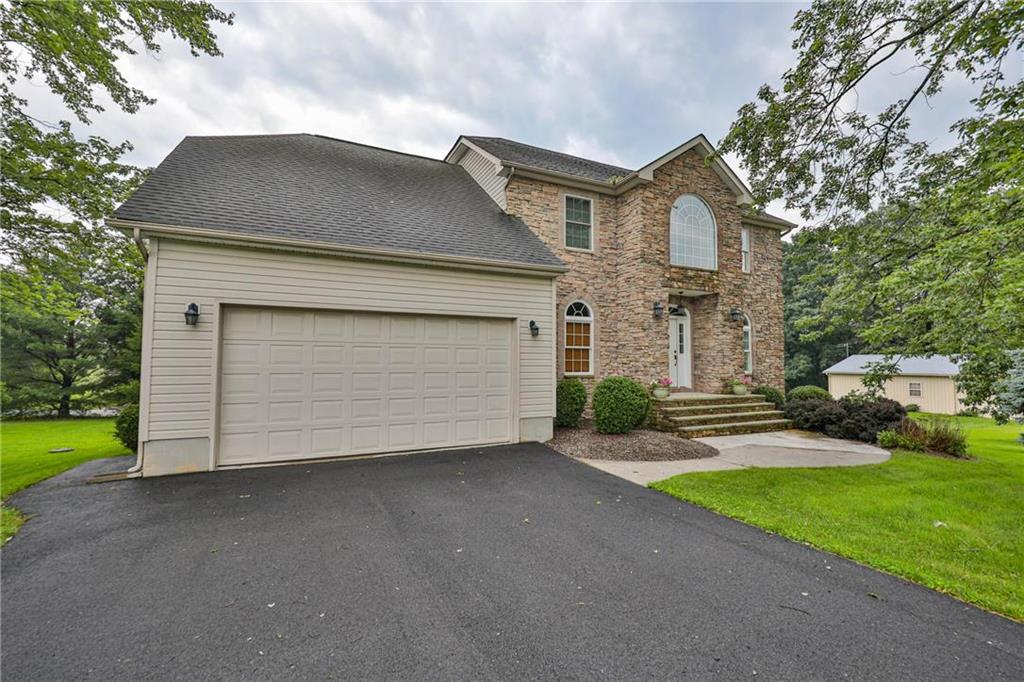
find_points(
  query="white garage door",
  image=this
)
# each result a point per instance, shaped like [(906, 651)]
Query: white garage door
[(299, 384)]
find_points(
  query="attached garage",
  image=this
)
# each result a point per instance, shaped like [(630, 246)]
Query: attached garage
[(344, 301), (320, 383)]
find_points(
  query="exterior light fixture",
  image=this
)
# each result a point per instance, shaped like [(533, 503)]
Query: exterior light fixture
[(534, 329), (192, 314), (735, 315), (659, 309)]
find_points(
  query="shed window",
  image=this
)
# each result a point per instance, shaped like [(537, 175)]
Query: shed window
[(693, 236), (579, 223), (579, 339), (915, 389)]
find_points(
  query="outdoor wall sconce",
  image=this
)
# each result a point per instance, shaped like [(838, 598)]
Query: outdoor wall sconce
[(736, 315), (534, 329), (192, 314), (659, 309)]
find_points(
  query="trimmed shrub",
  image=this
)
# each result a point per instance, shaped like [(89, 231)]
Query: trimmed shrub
[(126, 427), (814, 414), (855, 418), (863, 419), (913, 407), (570, 399), (772, 395), (808, 393), (620, 405)]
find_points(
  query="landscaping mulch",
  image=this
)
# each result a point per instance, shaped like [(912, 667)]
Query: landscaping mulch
[(638, 446)]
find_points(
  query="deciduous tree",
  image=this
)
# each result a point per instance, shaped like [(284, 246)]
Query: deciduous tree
[(927, 245)]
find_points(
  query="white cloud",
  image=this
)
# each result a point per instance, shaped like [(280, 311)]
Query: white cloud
[(621, 83)]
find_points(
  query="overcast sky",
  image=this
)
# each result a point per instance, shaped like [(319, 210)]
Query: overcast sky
[(620, 83)]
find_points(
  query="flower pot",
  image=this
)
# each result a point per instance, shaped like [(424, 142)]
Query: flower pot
[(660, 392), (739, 389)]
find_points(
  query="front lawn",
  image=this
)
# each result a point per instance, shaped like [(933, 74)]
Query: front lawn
[(25, 458), (953, 525)]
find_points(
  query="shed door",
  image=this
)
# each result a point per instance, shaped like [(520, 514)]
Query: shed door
[(299, 384)]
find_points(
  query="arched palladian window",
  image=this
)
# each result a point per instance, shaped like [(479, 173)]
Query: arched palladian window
[(748, 346), (579, 339), (693, 236)]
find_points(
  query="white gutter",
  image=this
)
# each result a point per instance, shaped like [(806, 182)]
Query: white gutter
[(222, 236)]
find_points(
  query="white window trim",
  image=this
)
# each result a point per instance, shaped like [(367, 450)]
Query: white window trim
[(593, 227), (748, 353), (565, 341), (746, 250), (920, 389), (714, 242)]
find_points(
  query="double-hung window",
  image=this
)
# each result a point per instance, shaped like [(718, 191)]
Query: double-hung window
[(745, 248), (579, 223), (579, 339), (915, 389), (748, 346)]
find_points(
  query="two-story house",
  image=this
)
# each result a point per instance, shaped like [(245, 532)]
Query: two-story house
[(669, 273), (308, 297)]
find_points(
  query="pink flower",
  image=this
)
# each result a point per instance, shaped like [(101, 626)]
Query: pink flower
[(665, 381)]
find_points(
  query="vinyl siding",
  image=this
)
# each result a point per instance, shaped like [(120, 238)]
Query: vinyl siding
[(938, 394), (181, 362), (485, 172)]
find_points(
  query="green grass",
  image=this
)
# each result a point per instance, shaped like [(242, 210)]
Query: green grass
[(953, 525), (25, 458)]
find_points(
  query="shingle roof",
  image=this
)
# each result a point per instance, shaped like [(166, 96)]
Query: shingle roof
[(517, 153), (546, 159), (928, 366), (318, 189)]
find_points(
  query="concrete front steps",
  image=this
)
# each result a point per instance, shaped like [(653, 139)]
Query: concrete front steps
[(695, 415)]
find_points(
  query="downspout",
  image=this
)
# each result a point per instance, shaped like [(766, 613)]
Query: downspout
[(137, 238), (136, 470)]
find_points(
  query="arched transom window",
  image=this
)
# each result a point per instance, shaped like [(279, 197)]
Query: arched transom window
[(693, 237), (579, 339), (748, 346)]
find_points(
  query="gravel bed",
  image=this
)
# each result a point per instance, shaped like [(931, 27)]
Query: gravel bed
[(639, 446)]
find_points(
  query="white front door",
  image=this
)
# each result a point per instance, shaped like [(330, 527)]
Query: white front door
[(679, 350)]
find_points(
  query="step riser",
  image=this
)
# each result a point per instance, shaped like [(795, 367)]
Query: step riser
[(733, 430), (717, 409), (732, 418), (686, 398)]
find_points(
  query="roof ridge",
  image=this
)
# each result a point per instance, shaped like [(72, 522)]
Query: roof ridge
[(381, 149), (549, 151), (317, 135)]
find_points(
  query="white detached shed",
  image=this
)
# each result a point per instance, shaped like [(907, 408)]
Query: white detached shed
[(351, 301), (927, 382)]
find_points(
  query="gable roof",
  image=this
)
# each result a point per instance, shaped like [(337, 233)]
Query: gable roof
[(518, 153), (922, 366), (531, 161), (315, 190)]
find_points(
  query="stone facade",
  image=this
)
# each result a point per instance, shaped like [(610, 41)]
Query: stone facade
[(628, 270)]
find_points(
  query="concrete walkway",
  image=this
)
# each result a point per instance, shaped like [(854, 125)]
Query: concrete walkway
[(777, 449)]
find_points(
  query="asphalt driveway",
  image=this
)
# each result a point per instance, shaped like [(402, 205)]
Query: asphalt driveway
[(510, 562)]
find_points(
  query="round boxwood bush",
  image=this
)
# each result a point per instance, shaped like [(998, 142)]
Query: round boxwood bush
[(126, 427), (620, 405), (808, 393), (570, 399), (772, 395)]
